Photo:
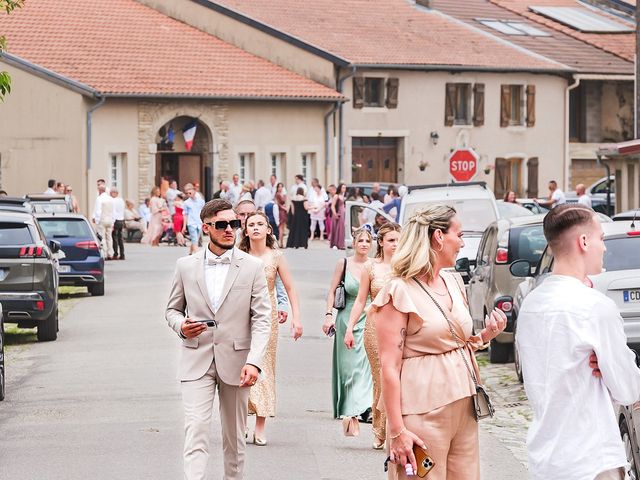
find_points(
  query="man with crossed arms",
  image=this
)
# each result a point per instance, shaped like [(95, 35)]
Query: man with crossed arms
[(219, 306)]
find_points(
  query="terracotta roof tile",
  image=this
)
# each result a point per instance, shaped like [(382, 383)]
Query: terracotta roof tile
[(393, 32), (559, 46), (620, 44), (124, 47)]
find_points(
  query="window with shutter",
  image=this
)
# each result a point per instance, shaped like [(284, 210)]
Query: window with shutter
[(450, 100), (501, 178), (505, 105), (478, 104), (531, 105), (358, 92), (374, 92), (392, 92), (532, 177)]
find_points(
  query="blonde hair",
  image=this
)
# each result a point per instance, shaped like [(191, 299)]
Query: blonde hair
[(414, 256), (382, 231), (360, 232)]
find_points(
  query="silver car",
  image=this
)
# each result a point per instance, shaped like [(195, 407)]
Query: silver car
[(620, 279)]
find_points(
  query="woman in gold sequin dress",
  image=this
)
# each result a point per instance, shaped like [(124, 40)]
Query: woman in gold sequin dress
[(374, 277), (259, 241)]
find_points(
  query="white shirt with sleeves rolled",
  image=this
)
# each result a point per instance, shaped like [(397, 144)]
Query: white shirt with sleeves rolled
[(574, 434)]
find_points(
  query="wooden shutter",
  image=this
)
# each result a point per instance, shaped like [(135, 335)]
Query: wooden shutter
[(505, 105), (358, 92), (532, 177), (449, 104), (478, 104), (392, 92), (531, 105), (502, 177)]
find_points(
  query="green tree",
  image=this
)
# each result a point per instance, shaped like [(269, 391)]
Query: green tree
[(5, 80)]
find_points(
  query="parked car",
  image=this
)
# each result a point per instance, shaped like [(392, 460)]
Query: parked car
[(629, 215), (491, 283), (2, 376), (510, 210), (15, 204), (366, 187), (82, 264), (532, 204), (28, 275), (620, 279), (43, 203)]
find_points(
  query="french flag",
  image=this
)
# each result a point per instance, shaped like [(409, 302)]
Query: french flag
[(189, 133)]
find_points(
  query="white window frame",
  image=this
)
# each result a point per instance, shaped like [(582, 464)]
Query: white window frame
[(308, 160), (245, 166), (276, 159), (117, 163)]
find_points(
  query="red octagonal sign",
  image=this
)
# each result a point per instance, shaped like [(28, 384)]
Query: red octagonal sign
[(463, 164)]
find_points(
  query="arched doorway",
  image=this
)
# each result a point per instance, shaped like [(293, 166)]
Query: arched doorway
[(184, 154)]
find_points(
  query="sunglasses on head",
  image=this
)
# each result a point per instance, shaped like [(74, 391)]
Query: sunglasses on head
[(223, 224)]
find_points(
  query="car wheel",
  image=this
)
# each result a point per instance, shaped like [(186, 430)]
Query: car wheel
[(48, 330), (516, 355), (2, 381), (628, 448), (96, 290), (499, 352)]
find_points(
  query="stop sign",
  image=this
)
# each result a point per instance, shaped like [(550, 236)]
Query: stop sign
[(463, 164)]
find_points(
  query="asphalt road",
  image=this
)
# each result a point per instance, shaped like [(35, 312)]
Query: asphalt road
[(103, 403)]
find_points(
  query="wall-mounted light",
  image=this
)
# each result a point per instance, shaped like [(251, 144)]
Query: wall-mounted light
[(434, 137)]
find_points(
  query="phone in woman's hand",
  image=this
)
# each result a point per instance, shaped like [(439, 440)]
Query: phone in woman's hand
[(331, 331)]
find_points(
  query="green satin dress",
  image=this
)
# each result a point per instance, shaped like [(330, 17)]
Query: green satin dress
[(352, 381)]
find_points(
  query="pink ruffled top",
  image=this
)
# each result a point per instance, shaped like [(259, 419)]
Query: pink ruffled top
[(433, 372)]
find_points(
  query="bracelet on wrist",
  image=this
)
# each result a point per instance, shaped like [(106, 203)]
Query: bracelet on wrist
[(329, 313), (402, 430)]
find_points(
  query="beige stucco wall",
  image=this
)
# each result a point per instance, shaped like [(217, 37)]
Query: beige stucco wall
[(42, 135), (420, 111), (248, 38)]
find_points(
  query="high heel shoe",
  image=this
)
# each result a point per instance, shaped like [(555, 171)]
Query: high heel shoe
[(261, 442), (378, 443)]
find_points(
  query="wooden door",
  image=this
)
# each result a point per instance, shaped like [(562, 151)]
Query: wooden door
[(375, 160), (189, 170)]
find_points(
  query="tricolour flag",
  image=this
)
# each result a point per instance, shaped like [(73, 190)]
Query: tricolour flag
[(189, 133)]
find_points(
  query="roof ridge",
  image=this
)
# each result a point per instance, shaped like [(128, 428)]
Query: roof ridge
[(554, 25)]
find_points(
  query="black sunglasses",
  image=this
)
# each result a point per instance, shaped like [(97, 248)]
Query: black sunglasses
[(223, 224)]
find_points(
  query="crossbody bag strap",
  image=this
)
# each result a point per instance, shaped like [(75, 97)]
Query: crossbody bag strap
[(344, 271), (453, 333)]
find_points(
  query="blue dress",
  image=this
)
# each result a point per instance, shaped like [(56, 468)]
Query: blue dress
[(352, 381)]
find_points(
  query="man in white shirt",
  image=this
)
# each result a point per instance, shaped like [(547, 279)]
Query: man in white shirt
[(369, 214), (263, 196), (583, 198), (314, 197), (236, 190), (273, 186), (103, 218), (298, 183), (562, 323), (171, 195), (50, 185), (556, 196), (118, 225)]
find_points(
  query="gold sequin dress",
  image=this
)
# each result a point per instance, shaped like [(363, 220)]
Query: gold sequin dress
[(376, 282), (262, 396)]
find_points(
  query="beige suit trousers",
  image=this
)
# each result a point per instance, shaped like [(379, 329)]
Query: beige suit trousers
[(105, 229), (197, 398)]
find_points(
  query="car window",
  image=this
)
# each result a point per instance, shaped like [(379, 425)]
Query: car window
[(546, 263), (474, 214), (526, 243), (67, 227), (15, 234), (482, 247), (491, 248), (510, 210), (622, 254), (602, 187)]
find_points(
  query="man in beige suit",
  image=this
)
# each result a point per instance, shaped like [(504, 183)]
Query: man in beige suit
[(219, 305)]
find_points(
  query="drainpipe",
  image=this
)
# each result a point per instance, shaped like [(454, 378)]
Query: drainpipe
[(567, 157), (341, 129), (100, 102), (327, 140)]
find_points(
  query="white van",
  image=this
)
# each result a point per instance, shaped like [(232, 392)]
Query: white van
[(475, 203)]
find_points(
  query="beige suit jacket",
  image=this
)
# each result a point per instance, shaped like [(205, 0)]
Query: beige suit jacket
[(243, 317)]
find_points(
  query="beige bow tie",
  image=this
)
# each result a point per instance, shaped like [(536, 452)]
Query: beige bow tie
[(218, 261)]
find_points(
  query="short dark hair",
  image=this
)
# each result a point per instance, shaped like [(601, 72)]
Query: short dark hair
[(101, 180), (554, 182), (51, 183), (375, 196), (212, 207), (300, 177), (563, 218)]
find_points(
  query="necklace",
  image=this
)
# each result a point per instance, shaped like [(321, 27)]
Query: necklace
[(446, 292)]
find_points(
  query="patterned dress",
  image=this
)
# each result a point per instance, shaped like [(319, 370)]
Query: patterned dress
[(376, 282), (262, 396)]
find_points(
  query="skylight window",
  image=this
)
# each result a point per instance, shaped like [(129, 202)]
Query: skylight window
[(513, 27), (583, 20)]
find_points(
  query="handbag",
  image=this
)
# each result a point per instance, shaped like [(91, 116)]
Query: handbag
[(350, 427), (340, 296), (482, 406)]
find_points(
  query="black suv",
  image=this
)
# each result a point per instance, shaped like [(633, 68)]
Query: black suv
[(28, 274)]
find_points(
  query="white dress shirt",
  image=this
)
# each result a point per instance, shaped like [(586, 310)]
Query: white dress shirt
[(216, 275), (263, 196), (118, 208), (574, 434), (236, 192), (103, 209), (585, 200), (558, 198)]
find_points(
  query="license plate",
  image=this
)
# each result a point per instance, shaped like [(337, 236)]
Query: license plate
[(64, 268), (631, 296)]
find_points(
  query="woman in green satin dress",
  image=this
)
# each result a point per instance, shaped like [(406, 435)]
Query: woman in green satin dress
[(352, 381)]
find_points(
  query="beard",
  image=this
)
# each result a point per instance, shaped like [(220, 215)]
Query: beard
[(225, 246)]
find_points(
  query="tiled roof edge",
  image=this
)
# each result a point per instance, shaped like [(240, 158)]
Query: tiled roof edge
[(50, 75), (289, 98), (468, 68), (273, 32)]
